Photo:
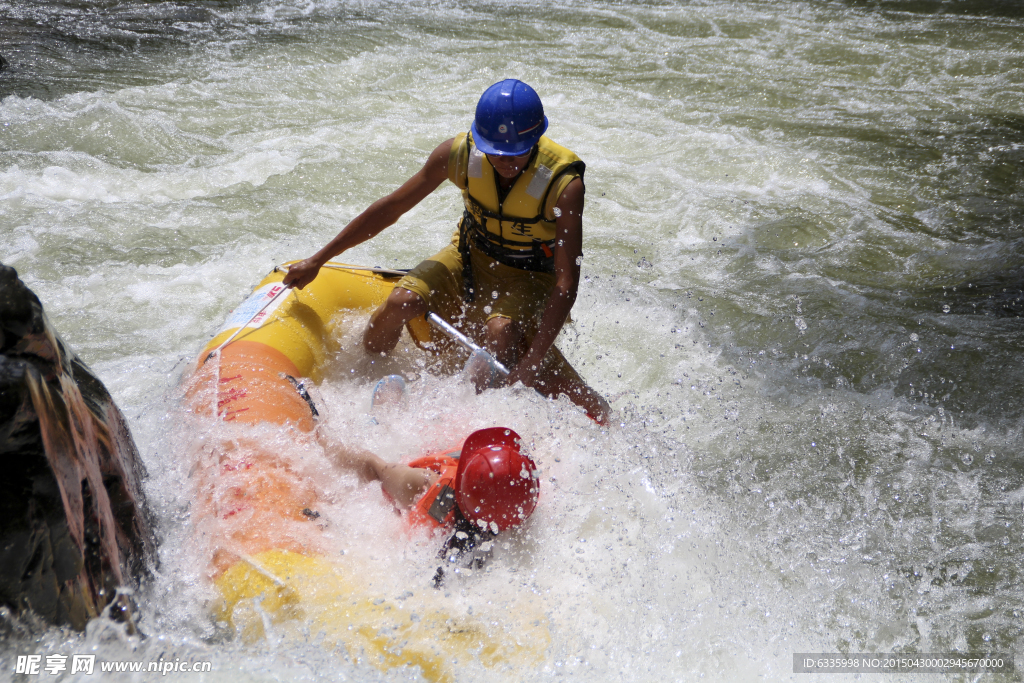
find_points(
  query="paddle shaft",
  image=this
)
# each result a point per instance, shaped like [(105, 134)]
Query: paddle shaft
[(467, 343)]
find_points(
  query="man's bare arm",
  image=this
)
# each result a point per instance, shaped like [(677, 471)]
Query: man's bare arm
[(381, 214), (568, 253)]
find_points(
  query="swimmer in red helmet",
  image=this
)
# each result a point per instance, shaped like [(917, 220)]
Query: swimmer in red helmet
[(486, 487)]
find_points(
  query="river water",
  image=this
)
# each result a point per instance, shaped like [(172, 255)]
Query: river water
[(803, 278)]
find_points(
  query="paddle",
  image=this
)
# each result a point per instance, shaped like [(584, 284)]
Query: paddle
[(467, 343)]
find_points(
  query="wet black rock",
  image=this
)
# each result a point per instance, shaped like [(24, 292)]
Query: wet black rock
[(74, 527)]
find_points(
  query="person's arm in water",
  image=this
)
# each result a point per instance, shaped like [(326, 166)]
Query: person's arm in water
[(403, 483), (381, 214), (568, 253)]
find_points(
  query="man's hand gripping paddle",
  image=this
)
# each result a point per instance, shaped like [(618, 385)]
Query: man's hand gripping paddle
[(479, 357)]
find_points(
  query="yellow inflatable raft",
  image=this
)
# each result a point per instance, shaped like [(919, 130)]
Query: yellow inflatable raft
[(267, 561)]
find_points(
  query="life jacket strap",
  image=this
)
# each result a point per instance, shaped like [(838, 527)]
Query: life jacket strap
[(468, 286), (540, 258)]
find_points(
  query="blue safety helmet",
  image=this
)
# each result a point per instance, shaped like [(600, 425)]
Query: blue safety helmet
[(509, 119)]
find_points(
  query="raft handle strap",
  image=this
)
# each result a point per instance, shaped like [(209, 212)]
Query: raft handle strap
[(239, 330), (300, 388)]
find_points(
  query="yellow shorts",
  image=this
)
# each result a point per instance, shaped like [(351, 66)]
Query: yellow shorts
[(501, 291)]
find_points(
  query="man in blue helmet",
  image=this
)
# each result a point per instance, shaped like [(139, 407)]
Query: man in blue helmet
[(512, 271)]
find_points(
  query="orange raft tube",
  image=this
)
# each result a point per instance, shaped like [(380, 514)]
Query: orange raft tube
[(253, 509)]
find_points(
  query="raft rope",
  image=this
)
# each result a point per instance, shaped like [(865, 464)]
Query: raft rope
[(251, 561), (239, 330), (346, 266)]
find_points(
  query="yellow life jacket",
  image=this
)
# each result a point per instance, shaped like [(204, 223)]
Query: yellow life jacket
[(519, 229)]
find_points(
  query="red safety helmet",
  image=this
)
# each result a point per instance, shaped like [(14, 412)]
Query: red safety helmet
[(496, 485)]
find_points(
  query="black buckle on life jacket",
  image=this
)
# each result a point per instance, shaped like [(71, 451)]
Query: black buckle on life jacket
[(539, 259), (442, 505)]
